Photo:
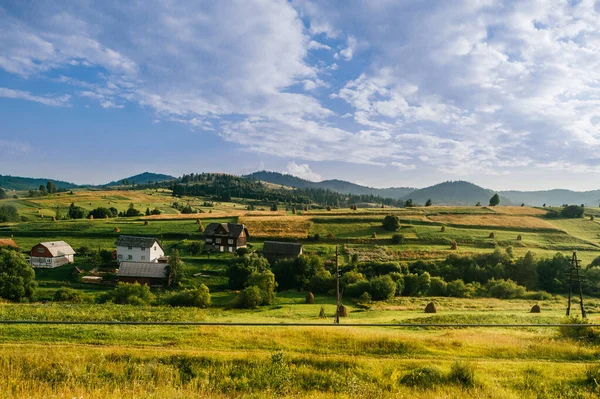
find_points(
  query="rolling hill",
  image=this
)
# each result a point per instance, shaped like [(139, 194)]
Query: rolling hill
[(142, 178), (339, 186), (454, 193), (30, 183)]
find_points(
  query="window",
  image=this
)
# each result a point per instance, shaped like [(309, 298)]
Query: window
[(230, 241), (40, 250), (129, 248), (218, 240), (155, 247), (129, 257), (120, 256), (208, 241), (143, 249), (143, 257)]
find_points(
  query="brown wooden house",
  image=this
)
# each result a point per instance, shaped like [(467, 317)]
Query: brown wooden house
[(225, 237), (148, 273)]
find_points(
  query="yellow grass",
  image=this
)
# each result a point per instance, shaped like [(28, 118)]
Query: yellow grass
[(277, 226), (217, 214), (517, 210), (505, 221)]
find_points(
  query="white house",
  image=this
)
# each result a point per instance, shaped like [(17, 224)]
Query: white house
[(138, 249), (51, 254)]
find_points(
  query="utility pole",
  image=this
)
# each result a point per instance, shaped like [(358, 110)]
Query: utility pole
[(337, 275), (575, 277)]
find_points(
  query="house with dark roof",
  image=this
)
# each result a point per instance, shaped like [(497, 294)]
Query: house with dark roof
[(275, 250), (138, 249), (51, 254), (149, 273), (225, 237)]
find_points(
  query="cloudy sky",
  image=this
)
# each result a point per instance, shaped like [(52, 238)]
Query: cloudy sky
[(505, 94)]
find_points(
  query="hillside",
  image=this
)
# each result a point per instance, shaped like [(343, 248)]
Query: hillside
[(555, 197), (30, 183), (142, 178), (339, 186), (454, 193)]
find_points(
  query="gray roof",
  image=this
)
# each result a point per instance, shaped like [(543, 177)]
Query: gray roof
[(142, 269), (58, 248), (282, 248), (231, 229), (133, 241)]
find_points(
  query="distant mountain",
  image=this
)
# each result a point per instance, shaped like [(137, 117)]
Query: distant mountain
[(454, 193), (554, 197), (30, 183), (142, 178), (339, 186)]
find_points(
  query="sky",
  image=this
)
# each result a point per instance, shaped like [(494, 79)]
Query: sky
[(505, 94)]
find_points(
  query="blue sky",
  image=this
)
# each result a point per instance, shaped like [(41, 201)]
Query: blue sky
[(505, 94)]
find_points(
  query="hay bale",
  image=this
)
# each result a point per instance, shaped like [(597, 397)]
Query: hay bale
[(342, 311), (519, 237), (54, 218), (454, 245), (374, 235), (198, 221), (322, 314), (105, 216), (146, 223), (430, 308), (443, 229), (330, 236), (492, 235), (91, 217), (116, 230), (201, 228), (592, 218), (310, 298), (535, 309), (293, 211)]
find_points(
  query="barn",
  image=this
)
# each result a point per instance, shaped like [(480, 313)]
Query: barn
[(148, 273), (275, 250), (225, 237), (51, 254)]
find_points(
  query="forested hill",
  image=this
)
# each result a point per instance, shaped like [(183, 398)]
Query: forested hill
[(142, 178), (30, 183), (339, 186), (555, 197), (454, 193)]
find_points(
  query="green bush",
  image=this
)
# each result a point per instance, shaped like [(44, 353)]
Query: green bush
[(128, 294), (17, 278), (572, 211), (248, 298), (504, 289), (197, 297), (582, 333), (424, 377), (457, 289), (391, 223), (68, 295), (397, 238), (265, 281), (438, 287), (382, 288), (322, 283), (355, 290), (462, 374)]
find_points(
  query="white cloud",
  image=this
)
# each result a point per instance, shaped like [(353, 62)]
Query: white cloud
[(348, 52), (56, 101), (302, 171)]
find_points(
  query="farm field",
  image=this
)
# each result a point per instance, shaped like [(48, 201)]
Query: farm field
[(97, 361)]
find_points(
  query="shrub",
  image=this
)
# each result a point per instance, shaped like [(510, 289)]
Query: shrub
[(129, 294), (357, 289), (265, 282), (351, 277), (248, 298), (438, 287), (504, 289), (197, 297), (397, 238), (101, 213), (382, 288), (322, 282), (572, 211), (582, 333), (391, 223), (16, 277), (424, 377), (68, 295), (457, 289), (462, 374)]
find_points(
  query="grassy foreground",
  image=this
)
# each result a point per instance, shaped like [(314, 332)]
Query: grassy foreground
[(323, 362)]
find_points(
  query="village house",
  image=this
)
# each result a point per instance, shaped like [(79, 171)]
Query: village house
[(139, 249), (51, 254), (8, 243), (225, 237), (275, 250), (148, 273)]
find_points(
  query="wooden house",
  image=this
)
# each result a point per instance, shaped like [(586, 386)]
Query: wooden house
[(51, 254), (149, 273), (225, 237), (138, 249), (275, 250)]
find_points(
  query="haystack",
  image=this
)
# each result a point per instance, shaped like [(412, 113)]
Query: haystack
[(592, 218), (454, 245), (322, 314), (443, 229), (535, 309), (146, 223), (430, 308), (492, 235), (116, 230), (330, 236), (198, 221), (342, 311), (310, 298), (374, 235), (91, 217), (519, 237)]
